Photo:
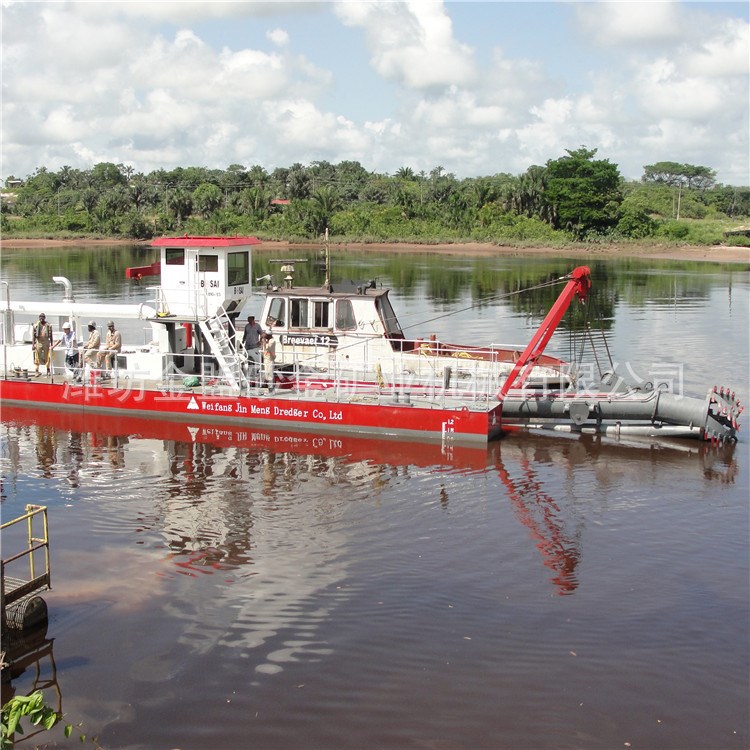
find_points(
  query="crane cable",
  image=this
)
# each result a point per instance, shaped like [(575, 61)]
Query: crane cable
[(494, 298)]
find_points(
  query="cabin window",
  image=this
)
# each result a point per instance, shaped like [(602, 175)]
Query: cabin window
[(208, 263), (321, 315), (238, 269), (388, 316), (175, 256), (276, 312), (345, 320), (298, 313)]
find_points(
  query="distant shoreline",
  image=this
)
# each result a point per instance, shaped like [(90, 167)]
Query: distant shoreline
[(713, 254)]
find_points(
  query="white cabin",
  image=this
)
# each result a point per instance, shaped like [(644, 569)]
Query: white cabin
[(202, 275)]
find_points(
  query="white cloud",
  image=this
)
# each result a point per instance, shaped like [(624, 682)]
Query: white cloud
[(725, 53), (411, 42), (298, 122), (189, 11), (61, 126), (631, 23), (151, 85), (159, 116), (79, 43), (279, 37), (662, 91)]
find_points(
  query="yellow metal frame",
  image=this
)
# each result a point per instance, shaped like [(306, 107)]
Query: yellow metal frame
[(23, 588)]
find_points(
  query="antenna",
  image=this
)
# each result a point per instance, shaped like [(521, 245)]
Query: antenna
[(328, 263), (287, 267)]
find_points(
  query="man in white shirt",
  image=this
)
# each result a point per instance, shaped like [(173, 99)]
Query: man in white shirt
[(68, 340), (269, 357)]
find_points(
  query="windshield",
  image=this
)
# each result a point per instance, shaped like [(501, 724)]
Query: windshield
[(388, 316)]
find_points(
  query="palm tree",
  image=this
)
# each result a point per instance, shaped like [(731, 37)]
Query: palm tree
[(139, 189), (298, 182), (253, 202), (404, 173), (206, 199), (325, 201), (258, 176), (179, 204), (65, 174)]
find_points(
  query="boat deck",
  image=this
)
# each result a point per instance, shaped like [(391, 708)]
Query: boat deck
[(418, 397)]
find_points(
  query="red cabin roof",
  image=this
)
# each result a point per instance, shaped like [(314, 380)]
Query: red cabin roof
[(188, 241)]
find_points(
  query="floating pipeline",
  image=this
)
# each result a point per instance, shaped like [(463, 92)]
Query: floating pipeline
[(656, 413)]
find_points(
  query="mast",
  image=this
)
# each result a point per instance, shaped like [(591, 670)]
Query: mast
[(328, 262)]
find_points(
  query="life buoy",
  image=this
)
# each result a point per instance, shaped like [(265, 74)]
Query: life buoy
[(188, 335)]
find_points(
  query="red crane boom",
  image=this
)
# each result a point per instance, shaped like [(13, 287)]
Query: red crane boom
[(579, 283)]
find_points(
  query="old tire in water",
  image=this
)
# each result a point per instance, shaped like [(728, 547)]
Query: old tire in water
[(28, 614)]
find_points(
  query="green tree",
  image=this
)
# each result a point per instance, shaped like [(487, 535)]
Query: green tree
[(527, 195), (375, 191), (89, 199), (297, 182), (179, 204), (404, 173), (730, 200), (673, 173), (207, 198), (576, 194), (635, 219), (351, 178), (106, 175), (585, 193), (252, 202), (325, 202), (686, 179), (139, 191), (440, 186)]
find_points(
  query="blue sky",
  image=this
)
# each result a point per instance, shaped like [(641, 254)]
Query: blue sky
[(477, 88)]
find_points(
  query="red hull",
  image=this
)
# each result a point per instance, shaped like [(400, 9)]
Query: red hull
[(282, 412)]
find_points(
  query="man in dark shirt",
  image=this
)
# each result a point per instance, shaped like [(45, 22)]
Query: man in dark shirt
[(251, 342)]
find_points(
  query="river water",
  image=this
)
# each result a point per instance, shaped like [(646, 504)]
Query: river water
[(219, 588)]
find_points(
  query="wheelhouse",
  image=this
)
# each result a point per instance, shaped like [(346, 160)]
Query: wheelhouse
[(305, 316)]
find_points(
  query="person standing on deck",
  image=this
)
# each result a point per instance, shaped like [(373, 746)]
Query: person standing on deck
[(269, 357), (251, 342), (41, 342), (68, 340)]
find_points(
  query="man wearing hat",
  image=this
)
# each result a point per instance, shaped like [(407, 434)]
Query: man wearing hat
[(112, 346), (91, 347), (41, 342), (68, 340)]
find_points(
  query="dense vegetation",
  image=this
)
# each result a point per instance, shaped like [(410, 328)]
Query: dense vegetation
[(574, 198)]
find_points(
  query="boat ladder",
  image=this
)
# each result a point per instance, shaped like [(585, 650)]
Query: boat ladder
[(232, 362)]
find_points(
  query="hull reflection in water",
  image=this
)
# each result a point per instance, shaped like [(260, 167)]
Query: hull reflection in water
[(245, 556), (220, 498), (354, 448), (193, 452)]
